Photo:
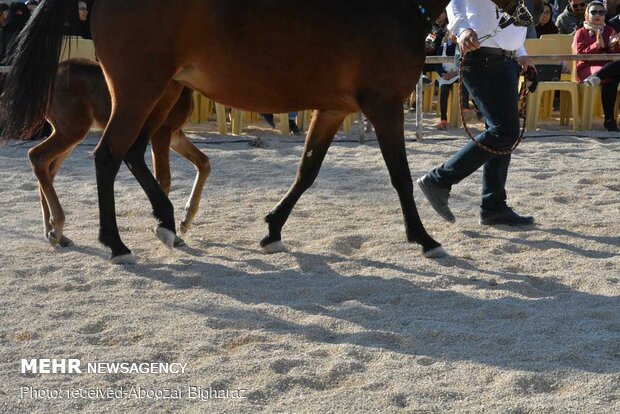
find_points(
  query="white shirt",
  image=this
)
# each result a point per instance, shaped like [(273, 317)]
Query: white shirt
[(481, 16)]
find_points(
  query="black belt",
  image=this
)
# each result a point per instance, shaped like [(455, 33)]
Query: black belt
[(495, 51)]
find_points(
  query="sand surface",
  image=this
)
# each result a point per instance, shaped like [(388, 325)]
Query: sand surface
[(352, 318)]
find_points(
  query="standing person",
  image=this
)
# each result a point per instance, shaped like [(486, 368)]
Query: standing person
[(491, 74), (572, 18), (596, 37)]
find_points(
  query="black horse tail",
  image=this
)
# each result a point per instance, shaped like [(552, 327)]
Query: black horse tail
[(29, 84)]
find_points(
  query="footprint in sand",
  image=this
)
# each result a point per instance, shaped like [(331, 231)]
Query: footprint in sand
[(27, 187), (535, 384), (561, 200), (283, 366), (92, 328), (348, 245), (542, 176), (400, 400)]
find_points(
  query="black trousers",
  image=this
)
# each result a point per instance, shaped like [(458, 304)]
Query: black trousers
[(610, 73)]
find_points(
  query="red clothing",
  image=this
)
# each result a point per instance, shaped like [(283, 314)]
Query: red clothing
[(584, 43)]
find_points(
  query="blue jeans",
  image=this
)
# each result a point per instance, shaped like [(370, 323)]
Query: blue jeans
[(492, 82)]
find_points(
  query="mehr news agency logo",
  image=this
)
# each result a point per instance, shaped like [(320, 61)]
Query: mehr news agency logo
[(75, 366)]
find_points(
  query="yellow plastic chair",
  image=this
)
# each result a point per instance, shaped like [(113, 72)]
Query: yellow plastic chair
[(551, 46), (76, 47), (203, 108)]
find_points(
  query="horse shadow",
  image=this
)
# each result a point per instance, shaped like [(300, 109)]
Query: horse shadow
[(537, 325)]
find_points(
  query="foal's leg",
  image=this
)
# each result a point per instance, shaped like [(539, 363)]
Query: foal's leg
[(184, 147), (388, 120), (160, 149), (46, 159), (322, 130)]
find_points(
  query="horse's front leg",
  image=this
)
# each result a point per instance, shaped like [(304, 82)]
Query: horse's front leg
[(388, 120), (323, 128)]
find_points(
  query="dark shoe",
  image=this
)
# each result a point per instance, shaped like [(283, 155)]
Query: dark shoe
[(269, 119), (437, 196), (506, 217), (293, 127), (610, 125)]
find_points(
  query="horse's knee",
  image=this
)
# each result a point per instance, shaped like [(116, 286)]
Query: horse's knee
[(37, 160), (203, 165)]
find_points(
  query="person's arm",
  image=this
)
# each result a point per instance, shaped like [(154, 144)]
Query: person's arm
[(612, 41), (457, 17)]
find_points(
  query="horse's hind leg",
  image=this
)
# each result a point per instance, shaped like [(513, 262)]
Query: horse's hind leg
[(322, 130), (184, 147), (387, 118), (46, 159)]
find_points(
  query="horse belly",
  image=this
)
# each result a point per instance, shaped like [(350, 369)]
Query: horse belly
[(267, 92)]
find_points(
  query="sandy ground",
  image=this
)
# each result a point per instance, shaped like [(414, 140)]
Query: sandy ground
[(353, 318)]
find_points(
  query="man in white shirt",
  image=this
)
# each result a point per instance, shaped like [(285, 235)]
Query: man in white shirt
[(491, 73)]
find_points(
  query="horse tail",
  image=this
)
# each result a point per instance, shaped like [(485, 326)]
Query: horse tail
[(29, 84)]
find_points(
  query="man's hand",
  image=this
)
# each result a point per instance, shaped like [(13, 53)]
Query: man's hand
[(449, 75), (526, 62), (468, 41)]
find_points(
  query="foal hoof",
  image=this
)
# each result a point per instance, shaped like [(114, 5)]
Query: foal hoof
[(166, 236), (184, 227), (123, 259), (275, 247), (436, 253), (178, 242), (61, 241), (66, 242)]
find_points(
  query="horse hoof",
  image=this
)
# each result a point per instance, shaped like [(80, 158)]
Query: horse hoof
[(275, 247), (61, 241), (436, 253), (184, 227), (123, 259), (178, 242), (166, 236), (66, 242)]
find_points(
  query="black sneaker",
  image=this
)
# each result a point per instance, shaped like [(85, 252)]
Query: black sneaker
[(437, 196), (506, 216), (293, 127)]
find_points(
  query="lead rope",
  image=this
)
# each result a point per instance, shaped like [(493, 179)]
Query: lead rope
[(523, 92)]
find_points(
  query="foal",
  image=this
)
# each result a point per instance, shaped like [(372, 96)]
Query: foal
[(81, 99)]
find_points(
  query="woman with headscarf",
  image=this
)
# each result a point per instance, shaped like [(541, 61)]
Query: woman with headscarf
[(593, 38)]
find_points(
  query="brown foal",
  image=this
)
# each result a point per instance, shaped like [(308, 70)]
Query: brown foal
[(81, 99), (270, 56)]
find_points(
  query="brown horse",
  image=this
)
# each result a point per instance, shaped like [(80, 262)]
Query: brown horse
[(81, 99), (269, 56)]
